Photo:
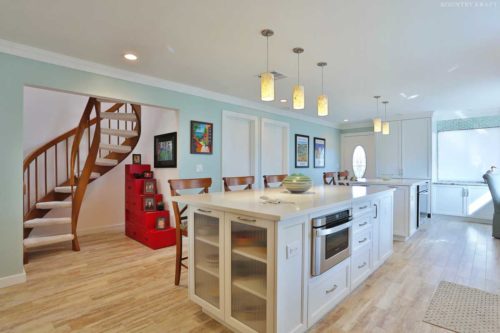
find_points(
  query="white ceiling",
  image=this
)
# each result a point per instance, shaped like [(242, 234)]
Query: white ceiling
[(449, 56)]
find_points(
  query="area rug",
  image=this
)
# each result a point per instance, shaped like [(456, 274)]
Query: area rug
[(463, 309)]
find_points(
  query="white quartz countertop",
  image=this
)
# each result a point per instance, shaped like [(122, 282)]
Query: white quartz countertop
[(391, 182), (249, 202)]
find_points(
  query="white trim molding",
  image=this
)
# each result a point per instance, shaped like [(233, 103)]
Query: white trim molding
[(11, 280), (33, 53)]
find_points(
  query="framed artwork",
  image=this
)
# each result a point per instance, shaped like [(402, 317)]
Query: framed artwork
[(319, 152), (149, 204), (136, 158), (201, 137), (149, 186), (301, 151), (161, 223), (166, 150)]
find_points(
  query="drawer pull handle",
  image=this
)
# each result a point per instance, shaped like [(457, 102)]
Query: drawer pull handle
[(363, 207), (363, 240), (331, 290), (246, 220), (204, 211), (363, 224), (361, 266)]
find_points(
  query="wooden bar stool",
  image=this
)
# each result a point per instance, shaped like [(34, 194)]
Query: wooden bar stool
[(180, 219), (270, 179), (343, 177), (238, 181), (329, 178)]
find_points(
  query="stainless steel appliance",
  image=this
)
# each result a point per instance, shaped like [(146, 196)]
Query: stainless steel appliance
[(423, 201), (330, 240)]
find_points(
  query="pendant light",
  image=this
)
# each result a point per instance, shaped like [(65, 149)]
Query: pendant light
[(298, 90), (377, 122), (385, 124), (322, 99), (267, 78)]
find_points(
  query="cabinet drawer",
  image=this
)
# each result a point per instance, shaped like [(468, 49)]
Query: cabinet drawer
[(360, 266), (361, 238), (360, 208), (361, 223), (327, 290)]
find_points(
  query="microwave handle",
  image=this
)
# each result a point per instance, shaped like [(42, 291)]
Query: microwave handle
[(325, 232)]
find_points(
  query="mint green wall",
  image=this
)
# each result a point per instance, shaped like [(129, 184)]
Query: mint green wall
[(17, 72)]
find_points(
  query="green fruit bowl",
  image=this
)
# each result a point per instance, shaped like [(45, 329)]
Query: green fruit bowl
[(297, 183)]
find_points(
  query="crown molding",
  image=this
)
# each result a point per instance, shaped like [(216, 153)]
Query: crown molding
[(33, 53)]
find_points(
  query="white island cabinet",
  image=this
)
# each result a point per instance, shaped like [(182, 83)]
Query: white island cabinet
[(250, 261)]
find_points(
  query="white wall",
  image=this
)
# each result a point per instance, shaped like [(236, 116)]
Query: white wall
[(49, 113)]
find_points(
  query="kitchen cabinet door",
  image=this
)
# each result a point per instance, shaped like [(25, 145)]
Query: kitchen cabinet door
[(249, 275), (479, 202), (448, 200), (206, 273), (416, 148), (388, 152)]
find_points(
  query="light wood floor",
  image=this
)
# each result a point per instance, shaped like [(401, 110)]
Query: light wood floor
[(117, 285)]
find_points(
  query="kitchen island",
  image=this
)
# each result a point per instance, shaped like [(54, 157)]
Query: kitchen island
[(250, 253), (411, 198)]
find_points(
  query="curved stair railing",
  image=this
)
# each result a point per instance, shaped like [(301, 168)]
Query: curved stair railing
[(52, 173)]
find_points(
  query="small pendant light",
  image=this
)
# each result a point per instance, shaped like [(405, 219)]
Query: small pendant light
[(385, 124), (298, 90), (322, 99), (267, 78), (377, 122)]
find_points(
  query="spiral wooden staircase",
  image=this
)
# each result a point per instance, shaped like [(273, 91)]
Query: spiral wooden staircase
[(57, 174)]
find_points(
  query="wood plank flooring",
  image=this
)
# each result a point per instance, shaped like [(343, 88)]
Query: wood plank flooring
[(117, 285)]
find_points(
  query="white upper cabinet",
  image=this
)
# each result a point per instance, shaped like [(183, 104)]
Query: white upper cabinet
[(388, 152), (416, 148), (406, 152)]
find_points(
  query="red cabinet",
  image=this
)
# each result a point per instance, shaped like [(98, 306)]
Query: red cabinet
[(140, 224)]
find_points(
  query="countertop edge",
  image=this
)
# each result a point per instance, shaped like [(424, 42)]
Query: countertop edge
[(274, 217)]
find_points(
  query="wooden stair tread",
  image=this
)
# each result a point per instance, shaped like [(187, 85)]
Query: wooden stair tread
[(53, 204), (64, 189), (118, 116), (106, 162), (116, 148), (46, 221), (117, 132), (32, 242)]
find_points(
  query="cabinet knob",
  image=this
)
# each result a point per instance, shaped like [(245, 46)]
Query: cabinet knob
[(363, 240), (361, 266)]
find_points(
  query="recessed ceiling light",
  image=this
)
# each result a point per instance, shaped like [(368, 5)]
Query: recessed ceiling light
[(283, 100), (346, 120), (130, 56), (412, 96)]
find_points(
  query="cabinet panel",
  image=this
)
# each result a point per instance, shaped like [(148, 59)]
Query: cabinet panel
[(206, 280), (479, 202), (385, 220), (249, 273), (401, 198), (360, 266), (388, 152), (416, 148), (448, 200)]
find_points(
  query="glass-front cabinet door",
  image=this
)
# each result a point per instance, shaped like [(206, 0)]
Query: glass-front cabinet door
[(249, 274), (206, 273)]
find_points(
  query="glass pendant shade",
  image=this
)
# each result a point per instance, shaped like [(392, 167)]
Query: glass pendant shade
[(377, 125), (267, 87), (322, 105), (298, 97), (385, 128)]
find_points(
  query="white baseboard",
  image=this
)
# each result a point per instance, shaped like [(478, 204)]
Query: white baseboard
[(96, 230), (463, 219), (13, 279)]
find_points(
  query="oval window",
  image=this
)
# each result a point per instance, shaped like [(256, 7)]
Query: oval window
[(359, 162)]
